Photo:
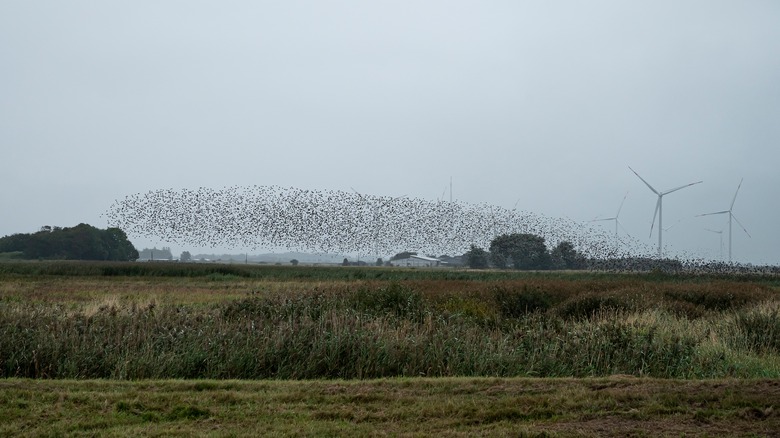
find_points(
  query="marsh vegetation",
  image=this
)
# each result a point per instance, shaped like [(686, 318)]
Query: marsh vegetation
[(133, 321)]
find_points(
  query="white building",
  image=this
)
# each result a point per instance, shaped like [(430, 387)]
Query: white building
[(416, 261)]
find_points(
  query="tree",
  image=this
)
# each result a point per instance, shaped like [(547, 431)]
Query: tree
[(564, 256), (345, 262), (82, 242), (294, 262), (403, 255), (477, 258), (119, 247), (519, 251), (185, 256), (379, 261)]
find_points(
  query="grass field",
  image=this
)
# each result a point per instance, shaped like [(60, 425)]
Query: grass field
[(331, 351), (616, 406)]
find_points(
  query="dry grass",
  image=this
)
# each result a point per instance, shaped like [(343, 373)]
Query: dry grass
[(322, 325), (229, 326)]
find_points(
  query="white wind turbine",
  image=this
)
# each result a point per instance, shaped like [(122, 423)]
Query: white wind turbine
[(731, 216), (719, 233), (659, 209), (672, 225), (615, 218)]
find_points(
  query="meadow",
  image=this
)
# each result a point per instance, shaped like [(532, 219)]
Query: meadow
[(452, 407), (131, 324)]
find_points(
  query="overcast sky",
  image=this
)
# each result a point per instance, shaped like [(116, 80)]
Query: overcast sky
[(542, 104)]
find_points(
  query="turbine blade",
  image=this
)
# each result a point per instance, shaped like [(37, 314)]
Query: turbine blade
[(357, 193), (643, 180), (623, 228), (681, 187), (672, 225), (710, 214), (714, 231), (605, 219), (621, 205), (735, 194), (657, 207), (742, 226)]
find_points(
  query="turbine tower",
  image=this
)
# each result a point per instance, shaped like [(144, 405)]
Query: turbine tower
[(659, 209), (719, 233), (731, 216), (615, 218)]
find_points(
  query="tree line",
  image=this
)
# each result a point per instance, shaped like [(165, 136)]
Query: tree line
[(82, 242), (525, 252)]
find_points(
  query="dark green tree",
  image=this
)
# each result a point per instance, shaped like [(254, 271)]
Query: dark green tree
[(294, 262), (185, 256), (379, 261), (564, 256), (403, 255), (519, 251), (82, 242), (477, 258), (119, 247)]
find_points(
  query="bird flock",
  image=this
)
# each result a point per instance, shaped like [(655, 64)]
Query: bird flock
[(332, 221)]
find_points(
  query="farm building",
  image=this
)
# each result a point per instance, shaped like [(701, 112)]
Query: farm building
[(416, 261)]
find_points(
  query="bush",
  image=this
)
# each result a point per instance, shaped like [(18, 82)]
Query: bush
[(394, 299), (587, 306), (712, 299), (473, 309), (684, 309), (514, 303), (759, 331)]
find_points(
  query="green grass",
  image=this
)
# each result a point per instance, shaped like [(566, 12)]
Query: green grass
[(155, 350), (222, 325), (9, 256), (614, 406), (9, 266)]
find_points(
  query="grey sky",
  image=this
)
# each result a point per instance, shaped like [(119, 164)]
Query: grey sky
[(540, 103)]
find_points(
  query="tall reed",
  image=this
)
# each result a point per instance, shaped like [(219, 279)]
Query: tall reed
[(393, 329)]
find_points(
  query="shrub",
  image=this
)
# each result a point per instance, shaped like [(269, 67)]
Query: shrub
[(514, 303), (684, 309), (472, 309), (713, 299), (759, 330), (248, 308), (394, 299), (587, 306)]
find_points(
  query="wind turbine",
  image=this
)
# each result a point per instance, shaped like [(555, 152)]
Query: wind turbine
[(615, 218), (720, 233), (672, 225), (731, 215), (659, 208)]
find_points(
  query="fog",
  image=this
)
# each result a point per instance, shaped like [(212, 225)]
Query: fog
[(537, 105)]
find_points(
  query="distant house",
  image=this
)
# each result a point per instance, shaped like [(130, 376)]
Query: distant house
[(155, 254), (416, 261), (455, 262)]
